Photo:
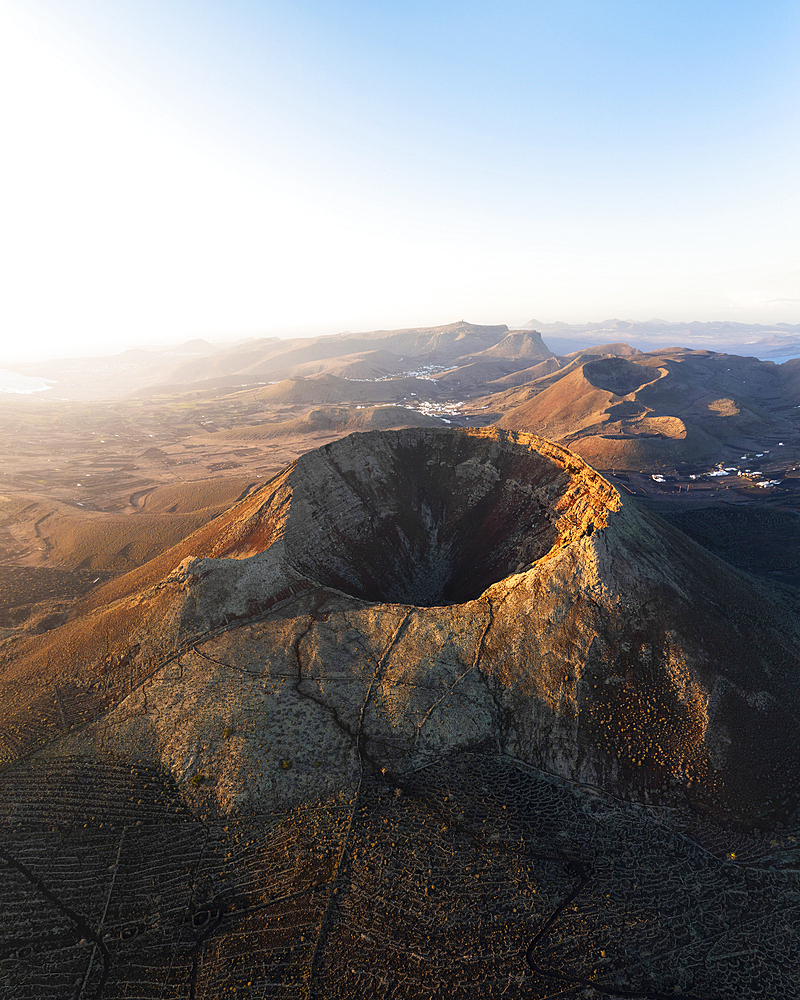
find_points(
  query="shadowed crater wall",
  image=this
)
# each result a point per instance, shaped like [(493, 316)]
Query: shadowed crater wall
[(618, 375), (428, 521)]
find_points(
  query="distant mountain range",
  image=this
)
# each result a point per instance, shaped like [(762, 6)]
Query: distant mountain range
[(749, 339), (380, 353), (618, 405)]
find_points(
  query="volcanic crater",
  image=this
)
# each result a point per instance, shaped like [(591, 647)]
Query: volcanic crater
[(427, 590), (392, 691), (430, 519)]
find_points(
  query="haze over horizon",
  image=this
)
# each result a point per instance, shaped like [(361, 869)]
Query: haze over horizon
[(183, 171), (776, 342)]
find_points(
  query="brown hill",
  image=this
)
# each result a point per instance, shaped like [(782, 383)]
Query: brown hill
[(62, 535), (332, 389), (270, 359), (545, 374), (328, 420), (519, 345), (661, 409), (468, 528), (362, 365), (337, 743), (451, 340), (185, 497), (790, 377), (476, 374), (527, 374), (575, 403), (618, 350)]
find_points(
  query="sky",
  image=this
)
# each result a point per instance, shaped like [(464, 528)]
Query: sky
[(175, 169)]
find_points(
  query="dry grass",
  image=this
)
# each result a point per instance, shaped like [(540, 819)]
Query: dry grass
[(184, 498)]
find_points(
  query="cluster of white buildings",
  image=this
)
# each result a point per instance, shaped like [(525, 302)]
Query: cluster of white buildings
[(733, 470)]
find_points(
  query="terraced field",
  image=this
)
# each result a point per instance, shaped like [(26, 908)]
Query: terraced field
[(476, 873)]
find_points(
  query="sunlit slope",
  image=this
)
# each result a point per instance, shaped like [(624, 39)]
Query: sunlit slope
[(328, 421), (72, 537), (660, 409), (270, 358), (321, 389), (481, 588)]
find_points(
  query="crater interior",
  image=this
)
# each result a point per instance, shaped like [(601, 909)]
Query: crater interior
[(423, 517), (618, 375)]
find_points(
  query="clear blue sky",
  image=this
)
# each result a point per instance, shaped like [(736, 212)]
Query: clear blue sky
[(176, 169)]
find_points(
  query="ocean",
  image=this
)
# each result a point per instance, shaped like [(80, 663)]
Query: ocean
[(23, 384), (780, 360)]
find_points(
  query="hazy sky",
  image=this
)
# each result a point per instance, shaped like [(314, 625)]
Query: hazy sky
[(222, 168)]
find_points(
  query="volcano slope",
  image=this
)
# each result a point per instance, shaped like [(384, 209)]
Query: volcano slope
[(433, 713), (658, 410)]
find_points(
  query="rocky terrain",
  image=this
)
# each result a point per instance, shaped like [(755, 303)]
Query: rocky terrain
[(662, 410), (432, 711)]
